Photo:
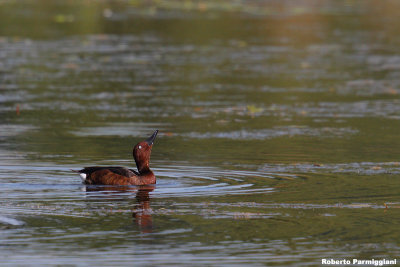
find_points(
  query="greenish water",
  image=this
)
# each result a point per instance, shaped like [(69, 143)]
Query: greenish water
[(279, 131)]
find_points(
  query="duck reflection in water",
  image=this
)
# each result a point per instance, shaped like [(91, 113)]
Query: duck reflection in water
[(141, 212)]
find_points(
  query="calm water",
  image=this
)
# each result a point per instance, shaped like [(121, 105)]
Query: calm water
[(279, 131)]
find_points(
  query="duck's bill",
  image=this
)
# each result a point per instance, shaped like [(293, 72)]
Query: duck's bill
[(151, 139)]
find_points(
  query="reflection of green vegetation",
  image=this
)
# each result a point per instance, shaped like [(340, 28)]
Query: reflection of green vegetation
[(58, 18), (67, 84)]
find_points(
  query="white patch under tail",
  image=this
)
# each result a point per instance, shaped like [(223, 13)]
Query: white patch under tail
[(83, 176)]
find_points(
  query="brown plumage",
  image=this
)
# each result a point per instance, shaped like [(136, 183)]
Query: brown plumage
[(114, 175)]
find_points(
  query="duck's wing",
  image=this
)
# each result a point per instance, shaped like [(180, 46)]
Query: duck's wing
[(115, 169)]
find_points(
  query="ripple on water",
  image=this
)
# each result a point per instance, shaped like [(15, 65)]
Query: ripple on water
[(121, 129), (48, 183), (369, 87), (46, 190), (187, 181), (118, 56), (10, 221), (50, 191), (366, 168), (275, 132), (8, 130)]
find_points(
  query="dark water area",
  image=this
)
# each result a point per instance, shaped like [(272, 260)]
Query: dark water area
[(279, 131)]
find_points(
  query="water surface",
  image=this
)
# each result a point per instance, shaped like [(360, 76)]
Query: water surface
[(278, 142)]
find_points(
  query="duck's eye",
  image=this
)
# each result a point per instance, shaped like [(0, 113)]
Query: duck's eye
[(140, 147)]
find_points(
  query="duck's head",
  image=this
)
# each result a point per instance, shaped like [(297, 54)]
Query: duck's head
[(142, 152)]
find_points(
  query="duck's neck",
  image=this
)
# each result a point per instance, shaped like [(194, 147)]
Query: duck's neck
[(145, 171), (145, 174), (142, 166)]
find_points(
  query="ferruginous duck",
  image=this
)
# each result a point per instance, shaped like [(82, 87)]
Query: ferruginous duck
[(124, 176)]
